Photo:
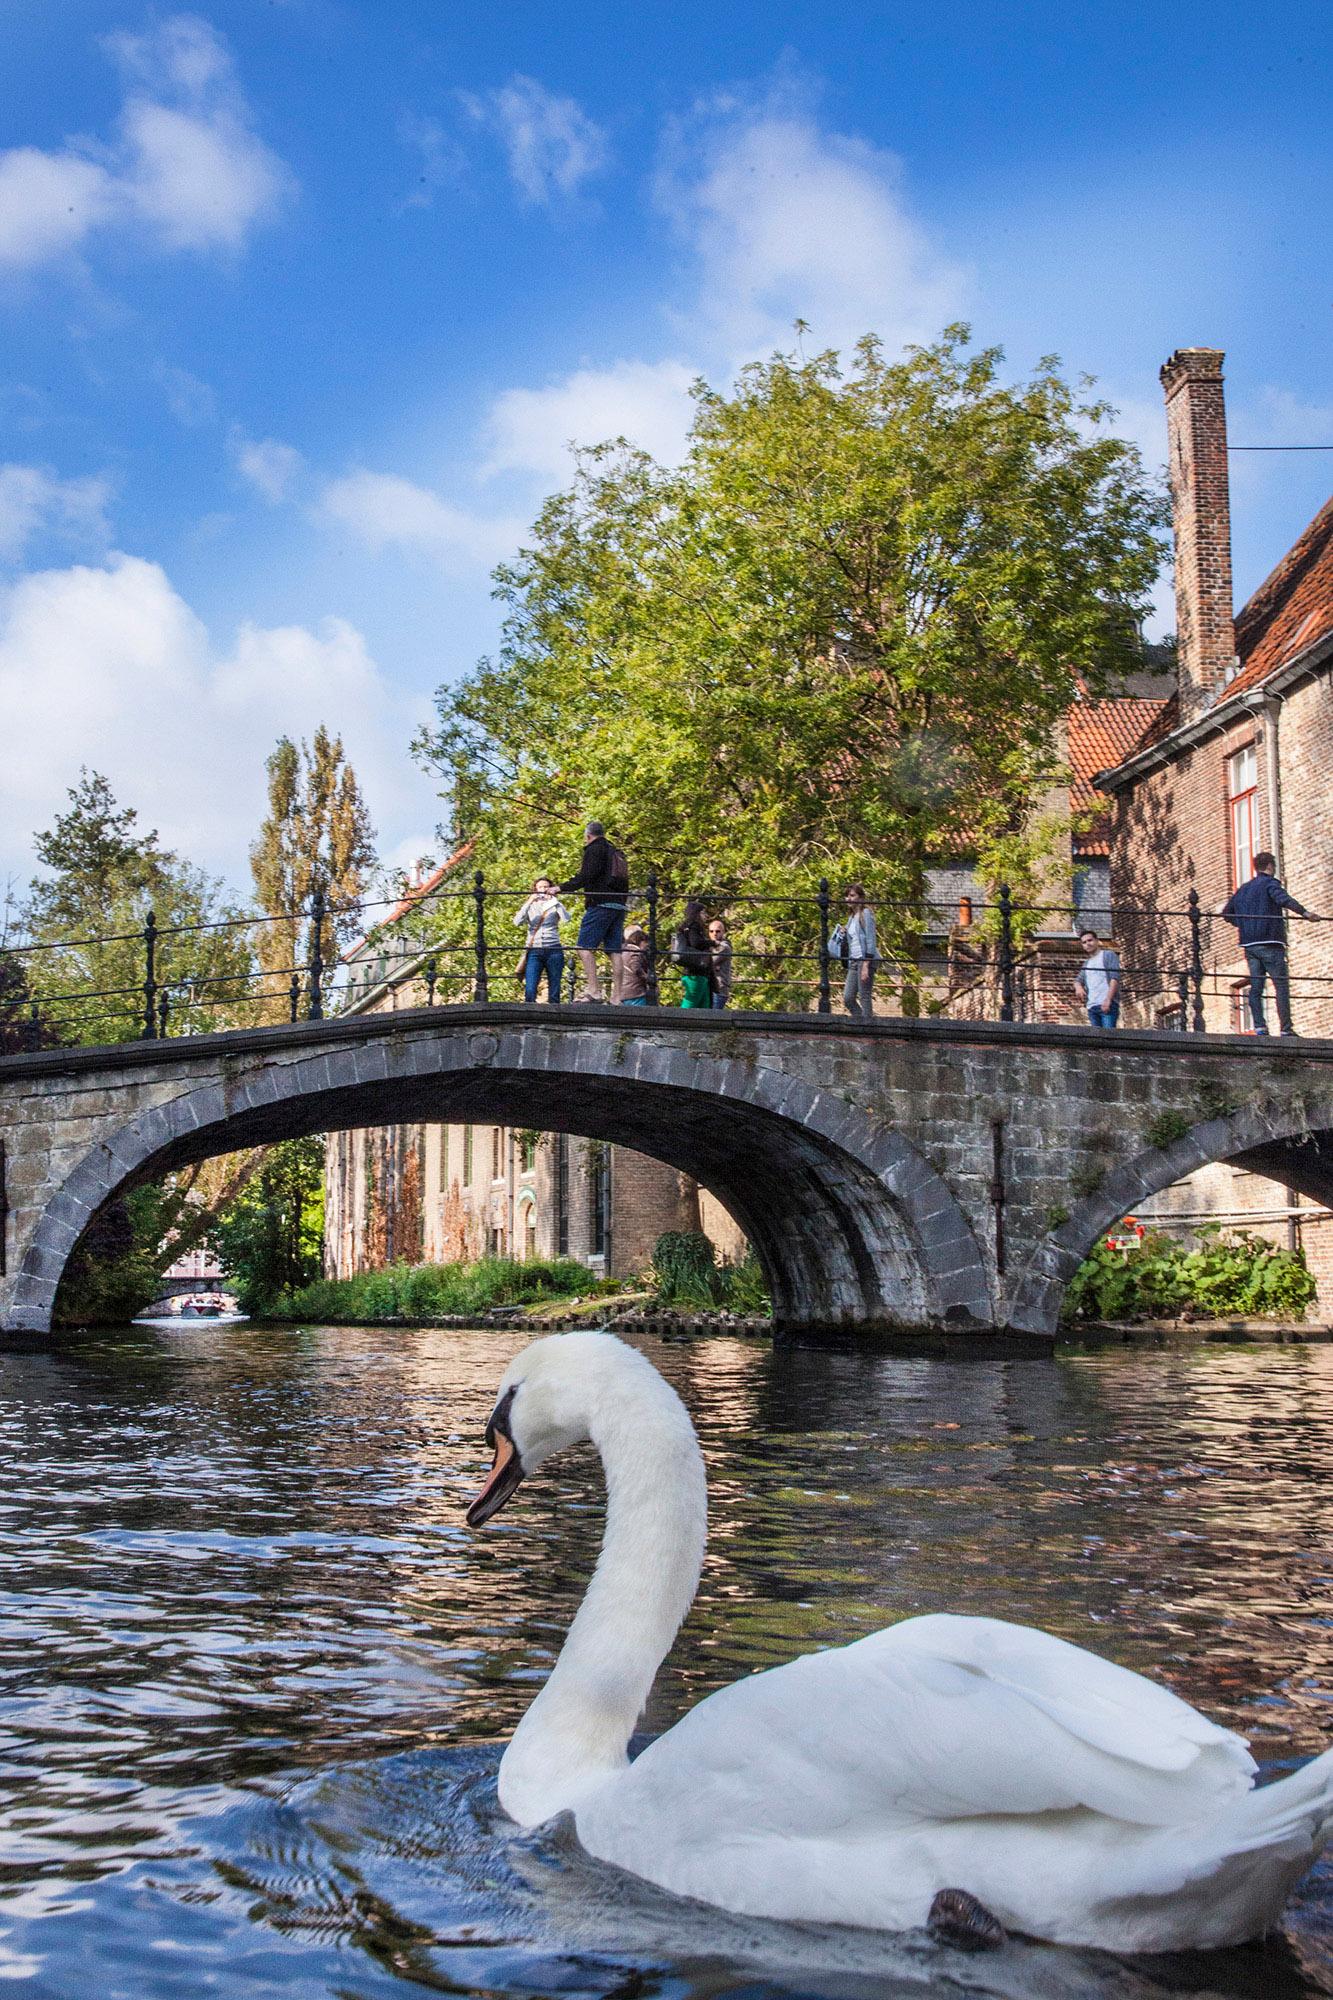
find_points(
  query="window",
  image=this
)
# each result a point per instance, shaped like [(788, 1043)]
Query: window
[(1243, 808), (444, 1159), (1242, 1020), (467, 1156), (528, 1151), (599, 1190), (497, 1153), (1172, 1019), (562, 1195)]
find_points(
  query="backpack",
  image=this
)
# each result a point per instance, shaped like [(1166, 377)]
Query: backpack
[(688, 956), (617, 869)]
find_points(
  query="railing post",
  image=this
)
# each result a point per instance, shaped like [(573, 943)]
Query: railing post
[(163, 1010), (294, 997), (35, 1025), (825, 995), (1183, 995), (1196, 959), (432, 974), (481, 991), (150, 978), (315, 1011), (1006, 953), (652, 938)]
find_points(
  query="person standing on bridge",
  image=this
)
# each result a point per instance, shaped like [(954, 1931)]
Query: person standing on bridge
[(543, 913), (1257, 910), (720, 944), (1098, 982), (692, 951), (604, 879), (857, 944)]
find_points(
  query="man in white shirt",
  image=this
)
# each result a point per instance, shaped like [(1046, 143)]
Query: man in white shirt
[(1098, 984)]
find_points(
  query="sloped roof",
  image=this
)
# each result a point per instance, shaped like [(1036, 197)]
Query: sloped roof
[(1100, 735), (416, 894), (1291, 609)]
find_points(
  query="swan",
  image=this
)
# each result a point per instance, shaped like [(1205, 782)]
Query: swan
[(1020, 1780)]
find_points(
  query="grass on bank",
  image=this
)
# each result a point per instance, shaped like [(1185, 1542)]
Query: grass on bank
[(429, 1291)]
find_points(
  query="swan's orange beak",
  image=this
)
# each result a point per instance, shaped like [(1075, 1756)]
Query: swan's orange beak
[(504, 1479)]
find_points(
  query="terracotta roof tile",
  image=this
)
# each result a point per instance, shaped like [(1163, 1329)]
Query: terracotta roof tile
[(1290, 610), (1100, 735)]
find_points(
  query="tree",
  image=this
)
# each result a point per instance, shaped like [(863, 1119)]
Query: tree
[(270, 1240), (88, 914), (317, 834), (837, 641)]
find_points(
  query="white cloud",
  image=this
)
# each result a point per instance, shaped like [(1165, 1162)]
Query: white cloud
[(87, 653), (551, 143), (270, 466), (191, 402), (185, 166), (1281, 417), (531, 430), (386, 511), (49, 202), (784, 220), (33, 499)]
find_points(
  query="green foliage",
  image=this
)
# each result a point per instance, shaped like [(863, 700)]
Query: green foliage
[(686, 1273), (270, 1239), (428, 1291), (113, 1271), (1086, 1178), (835, 641), (22, 1026), (1215, 1100), (685, 1268), (104, 877), (1224, 1275), (1056, 1215), (316, 834), (1168, 1126)]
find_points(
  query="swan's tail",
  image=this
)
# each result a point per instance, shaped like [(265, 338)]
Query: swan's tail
[(1228, 1882)]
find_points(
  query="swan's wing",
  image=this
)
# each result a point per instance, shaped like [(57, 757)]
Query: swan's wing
[(945, 1718)]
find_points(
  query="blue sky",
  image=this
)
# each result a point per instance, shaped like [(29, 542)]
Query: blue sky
[(301, 302)]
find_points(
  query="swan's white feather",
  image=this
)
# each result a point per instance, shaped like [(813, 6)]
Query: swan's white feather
[(1077, 1800)]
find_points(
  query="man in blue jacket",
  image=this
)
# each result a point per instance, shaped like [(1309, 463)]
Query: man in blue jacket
[(1256, 910)]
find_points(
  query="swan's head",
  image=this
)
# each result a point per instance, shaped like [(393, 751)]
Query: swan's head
[(561, 1391)]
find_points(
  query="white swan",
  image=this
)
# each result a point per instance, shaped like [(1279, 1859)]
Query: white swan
[(1073, 1799)]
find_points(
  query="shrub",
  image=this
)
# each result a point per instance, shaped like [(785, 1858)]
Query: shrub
[(1219, 1274), (685, 1269), (743, 1288)]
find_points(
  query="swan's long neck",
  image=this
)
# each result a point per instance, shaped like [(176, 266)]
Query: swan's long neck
[(577, 1731)]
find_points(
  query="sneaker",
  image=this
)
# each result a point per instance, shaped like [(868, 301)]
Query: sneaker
[(1290, 1031)]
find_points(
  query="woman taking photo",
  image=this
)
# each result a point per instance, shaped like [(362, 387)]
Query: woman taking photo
[(543, 913)]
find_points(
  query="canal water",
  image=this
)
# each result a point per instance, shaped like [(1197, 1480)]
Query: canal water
[(253, 1667)]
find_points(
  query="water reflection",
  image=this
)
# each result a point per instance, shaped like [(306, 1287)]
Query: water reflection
[(234, 1557)]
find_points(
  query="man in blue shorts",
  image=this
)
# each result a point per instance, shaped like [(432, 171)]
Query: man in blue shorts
[(604, 879)]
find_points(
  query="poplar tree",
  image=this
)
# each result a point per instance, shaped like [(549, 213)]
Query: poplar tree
[(316, 834)]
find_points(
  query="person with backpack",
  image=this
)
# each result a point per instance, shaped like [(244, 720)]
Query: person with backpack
[(604, 879), (1098, 982), (692, 951)]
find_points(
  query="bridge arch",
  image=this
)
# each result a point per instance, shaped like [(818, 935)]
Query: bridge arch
[(1290, 1142), (852, 1225)]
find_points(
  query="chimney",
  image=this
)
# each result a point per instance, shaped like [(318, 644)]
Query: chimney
[(1196, 423)]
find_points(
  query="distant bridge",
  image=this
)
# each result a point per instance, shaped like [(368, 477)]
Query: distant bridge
[(889, 1173)]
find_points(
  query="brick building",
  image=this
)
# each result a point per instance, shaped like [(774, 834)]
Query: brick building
[(1237, 760), (427, 1193)]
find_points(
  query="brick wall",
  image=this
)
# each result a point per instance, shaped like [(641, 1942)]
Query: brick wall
[(1197, 457), (1305, 753)]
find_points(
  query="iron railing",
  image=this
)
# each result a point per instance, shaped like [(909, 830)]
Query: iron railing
[(1004, 960)]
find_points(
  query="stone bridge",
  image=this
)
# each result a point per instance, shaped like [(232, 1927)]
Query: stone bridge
[(894, 1174)]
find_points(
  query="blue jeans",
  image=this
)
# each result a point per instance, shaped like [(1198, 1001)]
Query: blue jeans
[(1104, 1017), (552, 963), (1269, 961)]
